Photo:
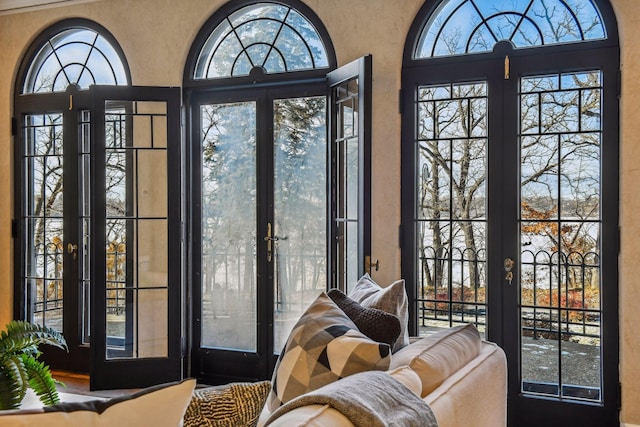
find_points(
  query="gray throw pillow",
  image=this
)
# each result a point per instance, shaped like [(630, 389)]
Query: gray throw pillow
[(392, 299), (378, 325)]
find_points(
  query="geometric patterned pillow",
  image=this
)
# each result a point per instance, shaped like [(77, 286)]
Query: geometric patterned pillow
[(235, 404), (378, 325), (392, 299), (323, 346)]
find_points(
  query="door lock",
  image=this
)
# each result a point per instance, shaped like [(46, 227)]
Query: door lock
[(508, 266)]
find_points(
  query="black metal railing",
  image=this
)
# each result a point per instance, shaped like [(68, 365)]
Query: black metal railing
[(559, 292), (453, 287)]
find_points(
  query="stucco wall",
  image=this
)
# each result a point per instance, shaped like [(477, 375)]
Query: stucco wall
[(156, 36)]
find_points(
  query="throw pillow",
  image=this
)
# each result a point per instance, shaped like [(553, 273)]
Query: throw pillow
[(231, 405), (323, 346), (159, 406), (392, 299), (376, 324), (436, 357)]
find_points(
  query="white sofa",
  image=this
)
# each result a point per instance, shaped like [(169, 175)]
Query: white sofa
[(461, 378)]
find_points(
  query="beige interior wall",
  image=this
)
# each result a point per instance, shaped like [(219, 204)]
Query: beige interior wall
[(156, 35), (628, 15)]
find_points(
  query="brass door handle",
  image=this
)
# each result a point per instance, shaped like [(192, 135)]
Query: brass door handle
[(368, 264), (508, 266), (269, 238), (72, 249)]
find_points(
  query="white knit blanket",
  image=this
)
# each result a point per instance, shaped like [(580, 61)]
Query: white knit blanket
[(368, 399)]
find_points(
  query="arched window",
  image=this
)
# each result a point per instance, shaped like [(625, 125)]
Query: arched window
[(260, 82), (273, 37), (94, 161), (510, 202), (473, 26), (53, 169), (78, 56), (271, 40)]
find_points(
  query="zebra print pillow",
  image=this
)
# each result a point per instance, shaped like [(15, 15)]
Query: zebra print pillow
[(235, 404)]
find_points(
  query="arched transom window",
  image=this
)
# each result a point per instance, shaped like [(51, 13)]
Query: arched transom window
[(74, 56), (270, 36), (474, 26)]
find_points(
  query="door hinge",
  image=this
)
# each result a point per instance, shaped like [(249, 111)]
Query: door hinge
[(401, 101), (619, 239), (619, 396), (507, 67), (619, 83), (14, 228), (400, 236), (14, 126)]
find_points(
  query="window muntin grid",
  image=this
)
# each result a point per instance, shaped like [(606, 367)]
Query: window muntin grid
[(270, 36), (459, 27), (74, 56)]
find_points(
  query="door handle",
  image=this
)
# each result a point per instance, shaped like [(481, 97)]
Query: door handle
[(269, 238), (72, 249), (508, 266)]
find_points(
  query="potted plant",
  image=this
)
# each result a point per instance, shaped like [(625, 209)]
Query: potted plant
[(20, 367)]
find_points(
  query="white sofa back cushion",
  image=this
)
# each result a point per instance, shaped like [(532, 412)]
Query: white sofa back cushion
[(435, 357)]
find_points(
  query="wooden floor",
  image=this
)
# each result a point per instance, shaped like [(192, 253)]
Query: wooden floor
[(79, 384)]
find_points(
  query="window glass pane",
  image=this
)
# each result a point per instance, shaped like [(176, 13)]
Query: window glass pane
[(300, 209), (272, 36), (451, 200), (77, 56), (137, 249), (228, 199), (560, 235), (470, 26), (347, 170), (43, 164)]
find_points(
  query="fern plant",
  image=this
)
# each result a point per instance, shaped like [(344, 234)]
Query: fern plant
[(20, 367)]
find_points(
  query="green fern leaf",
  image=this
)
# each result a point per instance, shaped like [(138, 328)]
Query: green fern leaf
[(9, 397), (14, 368), (23, 337), (41, 380)]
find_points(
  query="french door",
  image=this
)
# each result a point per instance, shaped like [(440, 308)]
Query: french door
[(262, 170), (97, 222), (510, 213)]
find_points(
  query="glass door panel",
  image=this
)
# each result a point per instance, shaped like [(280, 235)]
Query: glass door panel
[(300, 209), (136, 229), (451, 221), (560, 229), (48, 270), (229, 293), (137, 299), (43, 164), (85, 202), (350, 173)]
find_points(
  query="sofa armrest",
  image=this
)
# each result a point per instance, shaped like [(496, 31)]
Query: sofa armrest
[(474, 395)]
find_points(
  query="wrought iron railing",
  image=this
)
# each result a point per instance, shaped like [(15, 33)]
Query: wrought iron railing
[(559, 292)]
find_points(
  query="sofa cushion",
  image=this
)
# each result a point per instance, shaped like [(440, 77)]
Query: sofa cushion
[(326, 416), (437, 356), (159, 406), (235, 404), (323, 346), (392, 299), (376, 324)]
